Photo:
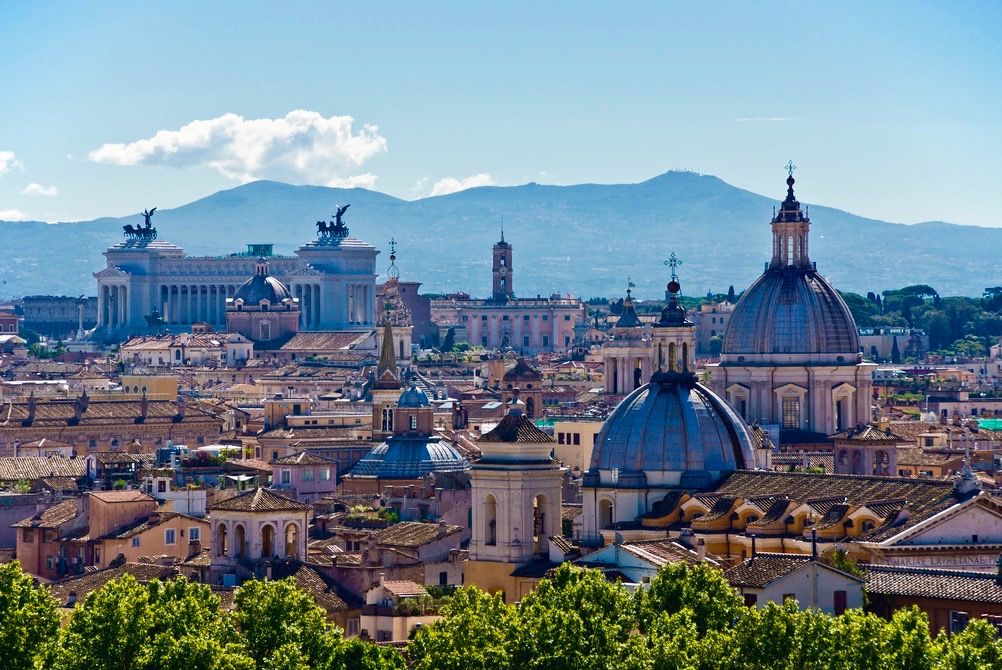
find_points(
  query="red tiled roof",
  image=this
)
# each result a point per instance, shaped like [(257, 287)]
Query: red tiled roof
[(516, 428), (52, 517), (260, 500)]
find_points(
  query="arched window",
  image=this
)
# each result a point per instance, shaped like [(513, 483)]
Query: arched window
[(387, 421), (220, 542), (685, 355), (292, 541), (490, 521), (267, 541), (605, 513), (540, 525), (240, 540), (671, 357)]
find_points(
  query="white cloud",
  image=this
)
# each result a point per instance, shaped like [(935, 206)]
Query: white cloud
[(12, 215), (452, 185), (37, 189), (302, 147), (8, 161)]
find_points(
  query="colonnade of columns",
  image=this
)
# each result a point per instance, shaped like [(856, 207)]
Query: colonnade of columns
[(309, 304), (190, 303), (360, 297), (113, 306)]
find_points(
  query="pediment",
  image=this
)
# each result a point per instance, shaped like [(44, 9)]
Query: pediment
[(790, 389), (978, 517), (110, 272), (844, 387), (737, 388)]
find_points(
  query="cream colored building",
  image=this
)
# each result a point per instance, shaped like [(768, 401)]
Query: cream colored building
[(791, 353), (575, 439)]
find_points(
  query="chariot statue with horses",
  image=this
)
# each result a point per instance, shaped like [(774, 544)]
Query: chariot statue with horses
[(146, 233), (335, 230)]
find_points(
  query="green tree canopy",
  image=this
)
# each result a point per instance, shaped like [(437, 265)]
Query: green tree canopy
[(28, 617)]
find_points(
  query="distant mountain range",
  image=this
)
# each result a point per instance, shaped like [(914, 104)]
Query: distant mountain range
[(584, 239)]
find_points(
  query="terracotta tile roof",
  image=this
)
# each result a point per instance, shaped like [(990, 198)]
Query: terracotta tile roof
[(81, 586), (318, 433), (886, 508), (405, 588), (765, 568), (260, 500), (60, 412), (722, 507), (152, 521), (776, 510), (570, 511), (46, 443), (325, 341), (16, 468), (325, 592), (868, 433), (925, 497), (121, 496), (52, 517), (122, 458), (917, 456), (980, 587), (303, 458), (63, 484), (661, 552), (201, 560), (832, 517), (563, 544), (516, 428), (413, 533), (522, 371)]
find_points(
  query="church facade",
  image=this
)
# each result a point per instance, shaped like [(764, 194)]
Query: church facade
[(332, 279)]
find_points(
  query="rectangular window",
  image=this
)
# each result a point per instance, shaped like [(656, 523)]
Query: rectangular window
[(546, 340), (353, 626), (194, 534), (286, 477), (751, 599), (162, 486), (443, 579), (958, 621), (546, 317), (135, 541), (325, 475), (840, 602), (560, 438), (525, 318), (29, 535), (307, 474), (504, 318), (413, 419), (525, 340), (170, 536), (791, 412), (567, 317), (577, 439)]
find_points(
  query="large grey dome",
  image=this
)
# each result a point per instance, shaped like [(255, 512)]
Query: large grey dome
[(262, 286), (672, 432), (791, 310)]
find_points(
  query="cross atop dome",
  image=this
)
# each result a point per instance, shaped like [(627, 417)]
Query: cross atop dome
[(393, 272)]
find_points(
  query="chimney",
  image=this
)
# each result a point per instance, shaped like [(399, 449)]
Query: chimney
[(84, 401), (382, 579), (814, 544), (701, 549), (32, 406), (181, 407), (443, 528), (753, 547)]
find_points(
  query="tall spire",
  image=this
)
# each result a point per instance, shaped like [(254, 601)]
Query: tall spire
[(387, 376)]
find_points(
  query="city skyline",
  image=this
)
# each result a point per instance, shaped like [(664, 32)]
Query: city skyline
[(110, 105)]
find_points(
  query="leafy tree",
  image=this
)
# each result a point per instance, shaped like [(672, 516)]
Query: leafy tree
[(977, 647), (476, 633), (731, 297), (575, 620), (28, 617), (282, 626), (895, 352), (174, 625), (716, 345), (703, 590)]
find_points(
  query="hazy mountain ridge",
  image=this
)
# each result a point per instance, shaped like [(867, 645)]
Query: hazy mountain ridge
[(585, 239)]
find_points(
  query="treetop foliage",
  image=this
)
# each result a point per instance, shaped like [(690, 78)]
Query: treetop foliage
[(689, 618)]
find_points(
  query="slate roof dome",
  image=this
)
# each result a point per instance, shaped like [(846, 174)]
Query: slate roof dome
[(413, 397), (262, 286), (410, 457), (672, 432), (791, 311)]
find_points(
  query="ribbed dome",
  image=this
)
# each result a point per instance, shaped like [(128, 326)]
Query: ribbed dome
[(410, 457), (262, 286), (670, 432), (791, 310)]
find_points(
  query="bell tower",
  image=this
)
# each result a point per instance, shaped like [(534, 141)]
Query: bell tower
[(516, 498), (502, 271)]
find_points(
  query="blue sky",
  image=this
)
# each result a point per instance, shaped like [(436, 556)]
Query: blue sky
[(891, 110)]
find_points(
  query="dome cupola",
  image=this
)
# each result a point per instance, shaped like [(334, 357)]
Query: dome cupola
[(262, 286)]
